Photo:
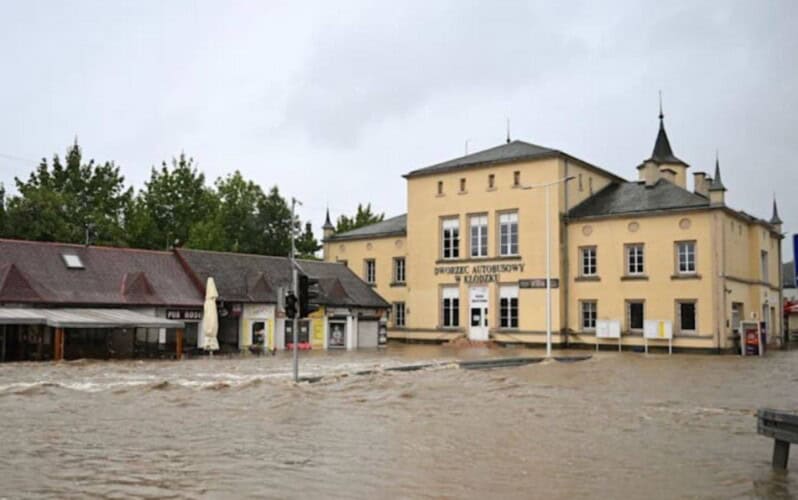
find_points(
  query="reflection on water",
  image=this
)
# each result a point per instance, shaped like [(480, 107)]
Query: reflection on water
[(617, 425)]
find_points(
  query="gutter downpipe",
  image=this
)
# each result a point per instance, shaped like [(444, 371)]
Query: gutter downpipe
[(565, 263)]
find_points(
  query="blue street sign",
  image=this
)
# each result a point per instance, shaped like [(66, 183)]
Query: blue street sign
[(795, 258)]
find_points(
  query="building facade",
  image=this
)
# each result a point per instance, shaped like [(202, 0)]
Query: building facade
[(474, 252)]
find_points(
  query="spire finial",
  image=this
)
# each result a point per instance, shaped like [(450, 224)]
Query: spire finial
[(508, 131), (717, 183), (775, 219), (327, 223), (661, 115)]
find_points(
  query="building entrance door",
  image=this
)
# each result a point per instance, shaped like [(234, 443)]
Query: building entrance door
[(478, 313)]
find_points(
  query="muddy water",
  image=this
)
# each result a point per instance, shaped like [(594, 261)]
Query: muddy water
[(615, 426)]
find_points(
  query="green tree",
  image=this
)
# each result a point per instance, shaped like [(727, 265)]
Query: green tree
[(59, 203), (172, 201), (274, 221), (363, 217), (306, 243)]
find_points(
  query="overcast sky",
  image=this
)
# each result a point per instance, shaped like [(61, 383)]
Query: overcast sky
[(333, 101)]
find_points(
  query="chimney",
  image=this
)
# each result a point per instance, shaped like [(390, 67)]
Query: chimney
[(668, 174), (649, 173), (700, 184)]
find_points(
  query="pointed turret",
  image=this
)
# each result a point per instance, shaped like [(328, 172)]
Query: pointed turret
[(328, 230), (775, 219), (662, 156), (717, 190)]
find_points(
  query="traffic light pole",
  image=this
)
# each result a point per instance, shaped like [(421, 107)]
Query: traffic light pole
[(295, 291)]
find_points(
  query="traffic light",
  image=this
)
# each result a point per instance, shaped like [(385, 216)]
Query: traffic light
[(290, 305), (309, 293)]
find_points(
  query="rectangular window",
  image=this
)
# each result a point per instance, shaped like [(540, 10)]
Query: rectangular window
[(440, 187), (517, 178), (370, 271), (685, 311), (479, 235), (450, 307), (491, 181), (635, 314), (508, 307), (508, 234), (589, 308), (399, 270), (451, 238), (399, 314), (589, 265), (462, 185), (764, 266), (685, 257), (634, 259)]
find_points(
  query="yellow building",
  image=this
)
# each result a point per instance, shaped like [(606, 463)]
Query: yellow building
[(469, 258)]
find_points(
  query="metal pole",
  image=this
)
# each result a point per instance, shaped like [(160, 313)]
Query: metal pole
[(295, 291), (548, 277)]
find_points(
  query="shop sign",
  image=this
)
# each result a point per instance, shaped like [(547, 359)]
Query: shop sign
[(538, 283), (184, 314), (230, 310), (479, 273)]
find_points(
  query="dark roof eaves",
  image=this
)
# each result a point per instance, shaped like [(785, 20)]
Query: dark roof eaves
[(383, 234)]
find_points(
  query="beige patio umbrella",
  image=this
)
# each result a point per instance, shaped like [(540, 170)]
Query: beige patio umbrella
[(210, 318)]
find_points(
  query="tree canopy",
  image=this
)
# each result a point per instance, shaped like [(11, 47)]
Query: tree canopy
[(63, 201), (363, 217)]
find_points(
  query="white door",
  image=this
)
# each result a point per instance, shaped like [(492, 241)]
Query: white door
[(478, 313)]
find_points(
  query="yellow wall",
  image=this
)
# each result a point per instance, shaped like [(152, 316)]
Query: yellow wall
[(383, 251)]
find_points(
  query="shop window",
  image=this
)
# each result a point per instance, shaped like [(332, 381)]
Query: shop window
[(635, 315), (508, 307), (686, 316), (370, 271), (508, 234), (589, 311), (685, 257), (451, 238), (399, 314), (399, 270), (451, 307), (589, 265), (634, 259), (479, 235)]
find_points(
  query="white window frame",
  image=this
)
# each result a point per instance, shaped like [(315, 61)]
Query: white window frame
[(508, 307), (399, 270), (450, 307), (450, 238), (588, 263), (399, 316), (635, 259), (478, 235), (588, 314), (508, 234), (686, 257), (370, 271)]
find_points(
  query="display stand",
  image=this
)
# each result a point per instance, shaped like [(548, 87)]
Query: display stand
[(656, 329), (608, 329)]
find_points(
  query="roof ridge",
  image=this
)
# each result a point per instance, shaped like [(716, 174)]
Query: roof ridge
[(80, 245)]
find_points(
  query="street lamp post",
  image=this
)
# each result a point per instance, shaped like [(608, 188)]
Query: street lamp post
[(546, 187)]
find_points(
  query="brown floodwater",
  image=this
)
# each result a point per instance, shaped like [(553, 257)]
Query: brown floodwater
[(615, 426)]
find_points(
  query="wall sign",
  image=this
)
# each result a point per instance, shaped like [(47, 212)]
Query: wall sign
[(538, 283), (480, 273), (184, 314)]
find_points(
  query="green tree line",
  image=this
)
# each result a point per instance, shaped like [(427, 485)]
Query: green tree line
[(70, 200)]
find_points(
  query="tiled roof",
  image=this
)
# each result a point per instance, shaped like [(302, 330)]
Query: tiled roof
[(256, 278), (635, 197), (35, 272), (395, 226)]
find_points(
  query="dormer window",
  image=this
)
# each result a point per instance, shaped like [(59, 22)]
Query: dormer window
[(72, 261)]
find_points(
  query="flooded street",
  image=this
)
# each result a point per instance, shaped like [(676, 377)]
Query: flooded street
[(617, 425)]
